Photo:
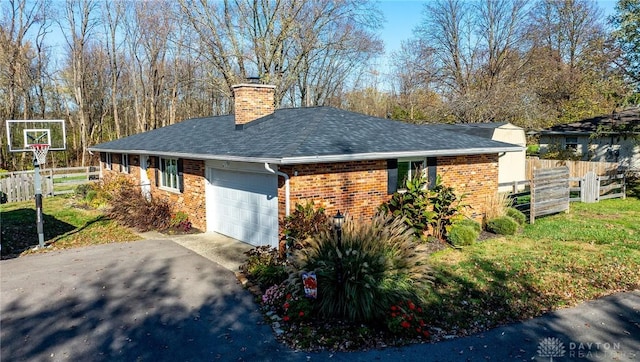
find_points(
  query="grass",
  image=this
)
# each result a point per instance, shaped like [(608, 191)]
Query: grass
[(560, 261), (65, 226)]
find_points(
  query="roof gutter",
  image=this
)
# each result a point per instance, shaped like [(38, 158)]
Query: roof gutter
[(390, 155), (322, 158), (287, 190)]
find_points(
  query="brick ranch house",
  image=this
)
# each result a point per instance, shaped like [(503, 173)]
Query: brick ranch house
[(239, 175)]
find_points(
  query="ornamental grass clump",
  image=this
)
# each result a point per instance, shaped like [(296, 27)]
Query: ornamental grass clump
[(378, 264)]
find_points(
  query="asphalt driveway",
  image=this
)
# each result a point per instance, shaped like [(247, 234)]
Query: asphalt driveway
[(150, 300), (155, 300)]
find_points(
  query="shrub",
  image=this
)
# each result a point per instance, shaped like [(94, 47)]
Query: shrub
[(130, 208), (461, 235), (305, 221), (99, 194), (412, 205), (470, 223), (502, 225), (377, 264), (265, 267), (83, 190), (516, 215)]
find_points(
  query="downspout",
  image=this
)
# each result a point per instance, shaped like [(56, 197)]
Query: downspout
[(286, 187)]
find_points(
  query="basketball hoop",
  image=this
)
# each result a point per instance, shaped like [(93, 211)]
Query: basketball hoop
[(40, 152)]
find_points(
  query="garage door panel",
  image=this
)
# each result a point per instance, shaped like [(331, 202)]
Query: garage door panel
[(246, 206)]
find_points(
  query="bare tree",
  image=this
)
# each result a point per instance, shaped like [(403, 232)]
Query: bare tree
[(23, 25), (284, 41), (80, 24), (448, 27), (113, 14)]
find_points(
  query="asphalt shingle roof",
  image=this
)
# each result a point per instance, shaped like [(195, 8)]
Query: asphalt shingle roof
[(626, 119), (299, 135)]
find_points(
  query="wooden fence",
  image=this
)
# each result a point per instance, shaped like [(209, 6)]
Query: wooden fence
[(538, 194), (549, 192), (19, 185), (576, 168)]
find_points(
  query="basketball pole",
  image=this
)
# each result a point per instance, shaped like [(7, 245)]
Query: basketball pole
[(38, 188)]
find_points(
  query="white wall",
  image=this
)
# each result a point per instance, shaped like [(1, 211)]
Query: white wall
[(511, 165)]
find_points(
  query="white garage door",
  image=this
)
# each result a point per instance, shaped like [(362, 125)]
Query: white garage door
[(243, 205)]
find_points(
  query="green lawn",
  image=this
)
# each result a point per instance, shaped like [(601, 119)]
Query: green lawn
[(561, 260), (65, 226)]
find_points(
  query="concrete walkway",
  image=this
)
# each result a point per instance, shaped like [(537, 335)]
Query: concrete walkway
[(221, 249)]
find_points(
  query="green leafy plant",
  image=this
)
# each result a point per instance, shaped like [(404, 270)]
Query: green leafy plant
[(462, 235), (407, 319), (503, 225), (376, 264), (296, 308), (447, 208), (412, 205), (264, 266), (180, 221), (306, 220), (516, 215)]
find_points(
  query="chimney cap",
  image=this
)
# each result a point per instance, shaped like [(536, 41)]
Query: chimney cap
[(252, 85)]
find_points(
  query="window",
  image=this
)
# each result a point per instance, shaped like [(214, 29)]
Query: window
[(571, 143), (407, 170), (107, 161), (399, 171), (170, 173), (124, 163)]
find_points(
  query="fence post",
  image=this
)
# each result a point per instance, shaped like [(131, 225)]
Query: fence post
[(532, 215)]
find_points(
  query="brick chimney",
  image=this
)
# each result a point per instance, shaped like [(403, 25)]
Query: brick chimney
[(252, 101)]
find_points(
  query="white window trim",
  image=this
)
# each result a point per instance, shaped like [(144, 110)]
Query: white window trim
[(107, 161), (124, 163), (162, 174)]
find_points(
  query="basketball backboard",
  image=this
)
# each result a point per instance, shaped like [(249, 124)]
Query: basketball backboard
[(22, 134)]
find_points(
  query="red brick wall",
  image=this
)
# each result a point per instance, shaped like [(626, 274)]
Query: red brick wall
[(252, 101), (357, 188), (191, 201), (473, 175), (360, 187)]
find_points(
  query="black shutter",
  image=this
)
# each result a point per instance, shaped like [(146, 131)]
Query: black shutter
[(156, 164), (432, 166), (180, 175), (392, 176), (103, 157)]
